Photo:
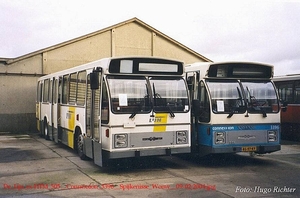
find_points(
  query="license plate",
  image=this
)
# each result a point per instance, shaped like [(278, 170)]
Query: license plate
[(249, 148)]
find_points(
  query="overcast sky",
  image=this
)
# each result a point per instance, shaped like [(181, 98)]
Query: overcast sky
[(263, 31)]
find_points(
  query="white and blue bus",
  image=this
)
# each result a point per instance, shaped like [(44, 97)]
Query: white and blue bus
[(235, 108), (121, 107)]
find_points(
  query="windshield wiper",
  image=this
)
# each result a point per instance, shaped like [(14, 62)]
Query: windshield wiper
[(252, 98), (170, 111), (262, 110), (254, 104), (154, 94), (232, 112), (132, 115), (157, 95), (237, 105)]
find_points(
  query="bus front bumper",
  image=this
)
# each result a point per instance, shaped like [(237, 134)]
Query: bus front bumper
[(260, 149), (146, 152)]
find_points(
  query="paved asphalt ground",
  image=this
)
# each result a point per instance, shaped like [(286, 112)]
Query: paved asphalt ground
[(33, 167)]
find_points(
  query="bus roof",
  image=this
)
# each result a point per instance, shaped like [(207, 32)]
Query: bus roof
[(231, 69), (287, 77), (105, 64)]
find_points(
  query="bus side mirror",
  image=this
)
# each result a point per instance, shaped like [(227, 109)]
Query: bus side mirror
[(94, 77), (196, 108), (190, 83)]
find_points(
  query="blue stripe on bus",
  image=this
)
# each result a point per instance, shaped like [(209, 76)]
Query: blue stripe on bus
[(206, 131)]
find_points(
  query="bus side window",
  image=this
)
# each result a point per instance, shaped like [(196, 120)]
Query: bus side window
[(65, 85), (55, 91), (88, 107), (39, 92), (46, 91), (204, 104), (190, 82), (105, 104), (59, 90), (51, 91), (72, 88), (297, 92), (81, 85), (285, 91)]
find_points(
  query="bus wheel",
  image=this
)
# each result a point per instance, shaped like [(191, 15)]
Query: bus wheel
[(42, 131), (80, 145), (46, 130)]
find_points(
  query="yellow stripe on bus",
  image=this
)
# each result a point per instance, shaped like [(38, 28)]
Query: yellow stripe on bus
[(71, 126), (160, 122), (70, 139)]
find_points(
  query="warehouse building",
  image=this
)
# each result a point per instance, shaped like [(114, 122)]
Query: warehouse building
[(18, 76)]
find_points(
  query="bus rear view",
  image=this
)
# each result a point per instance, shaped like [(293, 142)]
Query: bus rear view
[(235, 108)]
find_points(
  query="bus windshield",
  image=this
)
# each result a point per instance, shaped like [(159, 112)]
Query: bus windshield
[(169, 94), (129, 95), (261, 97), (134, 95), (228, 97)]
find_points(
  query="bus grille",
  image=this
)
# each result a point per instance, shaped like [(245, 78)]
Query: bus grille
[(247, 137)]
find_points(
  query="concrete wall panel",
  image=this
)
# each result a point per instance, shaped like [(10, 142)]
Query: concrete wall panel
[(17, 103), (30, 65), (17, 94), (166, 48), (77, 53), (132, 39)]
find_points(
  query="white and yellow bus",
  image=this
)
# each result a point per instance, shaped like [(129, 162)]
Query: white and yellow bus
[(118, 107), (235, 108)]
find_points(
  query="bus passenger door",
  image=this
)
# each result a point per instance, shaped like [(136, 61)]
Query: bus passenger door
[(55, 111), (93, 146), (38, 106), (59, 102), (193, 82), (50, 126)]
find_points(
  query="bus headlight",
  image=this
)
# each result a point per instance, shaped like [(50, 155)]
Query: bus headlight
[(181, 137), (120, 140), (220, 138), (272, 136)]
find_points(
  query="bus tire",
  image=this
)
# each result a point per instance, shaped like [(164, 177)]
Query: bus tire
[(46, 130), (42, 131), (80, 145)]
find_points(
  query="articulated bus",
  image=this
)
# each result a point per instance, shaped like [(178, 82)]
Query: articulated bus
[(113, 108), (289, 93), (235, 108)]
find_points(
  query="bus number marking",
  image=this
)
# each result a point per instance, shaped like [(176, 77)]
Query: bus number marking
[(275, 127), (154, 119)]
